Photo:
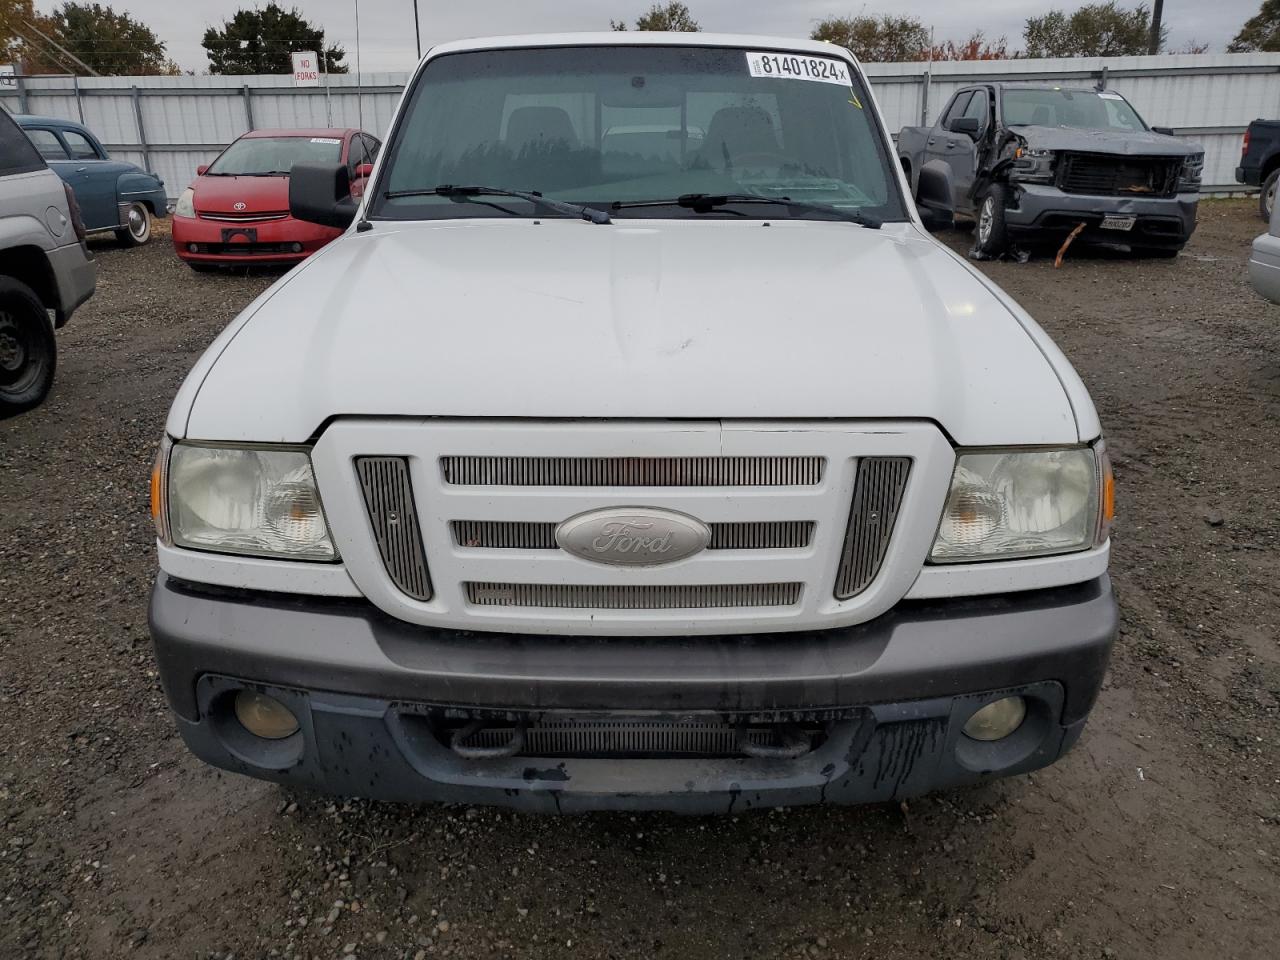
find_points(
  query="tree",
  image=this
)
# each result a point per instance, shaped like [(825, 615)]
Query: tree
[(1261, 32), (113, 44), (977, 47), (674, 16), (260, 41), (1095, 30), (877, 39)]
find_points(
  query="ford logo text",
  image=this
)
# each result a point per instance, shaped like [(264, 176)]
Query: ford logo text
[(633, 536)]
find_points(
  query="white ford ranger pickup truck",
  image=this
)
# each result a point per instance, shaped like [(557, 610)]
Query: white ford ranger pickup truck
[(636, 447)]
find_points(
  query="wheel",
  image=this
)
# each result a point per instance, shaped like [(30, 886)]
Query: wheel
[(138, 230), (28, 352), (1267, 198), (992, 233)]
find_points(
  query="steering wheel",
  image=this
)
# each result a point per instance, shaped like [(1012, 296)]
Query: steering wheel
[(760, 157)]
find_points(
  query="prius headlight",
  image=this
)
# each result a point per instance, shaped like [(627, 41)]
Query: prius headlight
[(186, 205), (256, 501), (1022, 503)]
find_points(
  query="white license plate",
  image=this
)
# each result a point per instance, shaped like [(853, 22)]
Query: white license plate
[(1118, 223)]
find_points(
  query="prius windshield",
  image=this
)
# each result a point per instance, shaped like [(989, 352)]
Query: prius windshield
[(273, 156), (1083, 109), (615, 126)]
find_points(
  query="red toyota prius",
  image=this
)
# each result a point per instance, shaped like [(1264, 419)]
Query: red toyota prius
[(236, 211)]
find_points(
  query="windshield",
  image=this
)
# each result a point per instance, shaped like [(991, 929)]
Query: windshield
[(1070, 108), (261, 156), (620, 124)]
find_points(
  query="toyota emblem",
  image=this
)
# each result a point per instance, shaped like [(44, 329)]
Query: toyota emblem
[(239, 205)]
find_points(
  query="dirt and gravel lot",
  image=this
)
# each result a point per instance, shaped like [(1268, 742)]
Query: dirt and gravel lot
[(1159, 836)]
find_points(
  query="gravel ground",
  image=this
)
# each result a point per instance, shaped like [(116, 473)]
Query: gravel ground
[(1156, 837)]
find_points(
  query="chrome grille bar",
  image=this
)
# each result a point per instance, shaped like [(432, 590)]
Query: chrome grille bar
[(518, 535), (877, 495), (634, 471), (388, 496), (633, 597)]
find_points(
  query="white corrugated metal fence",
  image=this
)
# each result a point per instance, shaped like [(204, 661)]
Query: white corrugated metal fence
[(172, 124)]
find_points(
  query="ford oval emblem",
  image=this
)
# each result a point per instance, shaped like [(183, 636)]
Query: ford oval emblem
[(633, 536), (238, 205)]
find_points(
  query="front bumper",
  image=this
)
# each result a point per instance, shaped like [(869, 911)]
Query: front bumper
[(894, 694), (1043, 212), (1264, 267), (250, 242)]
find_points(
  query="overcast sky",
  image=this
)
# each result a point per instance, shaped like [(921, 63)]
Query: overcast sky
[(386, 26)]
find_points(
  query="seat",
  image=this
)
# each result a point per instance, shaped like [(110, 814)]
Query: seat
[(739, 131), (1043, 117), (538, 127)]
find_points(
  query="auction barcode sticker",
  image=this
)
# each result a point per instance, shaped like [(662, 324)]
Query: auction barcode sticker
[(790, 66)]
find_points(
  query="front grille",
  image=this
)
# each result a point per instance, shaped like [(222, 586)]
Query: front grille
[(631, 738), (517, 535), (244, 217), (634, 471), (388, 496), (877, 495), (633, 597), (1110, 175)]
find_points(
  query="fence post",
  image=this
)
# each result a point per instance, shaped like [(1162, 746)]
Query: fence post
[(248, 105), (22, 93), (142, 130), (75, 85), (926, 80)]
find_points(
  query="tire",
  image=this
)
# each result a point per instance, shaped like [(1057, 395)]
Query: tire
[(991, 232), (1267, 198), (138, 232), (28, 351)]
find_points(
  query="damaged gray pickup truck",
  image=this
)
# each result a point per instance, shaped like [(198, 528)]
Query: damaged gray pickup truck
[(1033, 165)]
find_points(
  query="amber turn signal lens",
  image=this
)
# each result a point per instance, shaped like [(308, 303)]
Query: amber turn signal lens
[(159, 495), (1107, 498)]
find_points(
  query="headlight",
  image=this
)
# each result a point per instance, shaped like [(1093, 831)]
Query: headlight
[(1032, 165), (1192, 172), (257, 501), (186, 205), (1028, 503)]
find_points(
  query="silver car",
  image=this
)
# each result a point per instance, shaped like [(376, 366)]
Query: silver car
[(45, 268), (1264, 264)]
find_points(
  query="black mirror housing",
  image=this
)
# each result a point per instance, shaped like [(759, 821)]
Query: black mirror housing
[(321, 193), (966, 125), (934, 197)]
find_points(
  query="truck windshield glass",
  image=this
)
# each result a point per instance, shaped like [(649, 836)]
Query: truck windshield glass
[(620, 124), (1070, 108), (266, 156)]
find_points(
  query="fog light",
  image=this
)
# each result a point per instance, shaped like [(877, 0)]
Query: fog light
[(997, 720), (193, 247), (296, 247), (264, 716)]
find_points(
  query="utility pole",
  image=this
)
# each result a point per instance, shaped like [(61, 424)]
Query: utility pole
[(417, 34), (1157, 15)]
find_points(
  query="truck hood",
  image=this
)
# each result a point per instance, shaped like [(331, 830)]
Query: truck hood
[(1133, 143), (642, 319)]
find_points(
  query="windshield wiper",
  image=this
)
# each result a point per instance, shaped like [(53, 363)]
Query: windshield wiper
[(707, 202), (463, 194)]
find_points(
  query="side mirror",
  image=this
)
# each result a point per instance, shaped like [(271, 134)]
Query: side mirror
[(364, 171), (202, 170), (321, 193), (966, 125), (934, 197), (1167, 131)]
